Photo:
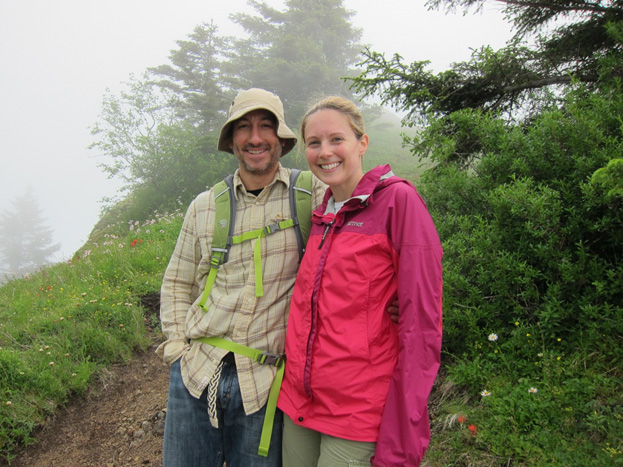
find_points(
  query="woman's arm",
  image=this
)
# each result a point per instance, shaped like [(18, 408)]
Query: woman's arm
[(405, 432)]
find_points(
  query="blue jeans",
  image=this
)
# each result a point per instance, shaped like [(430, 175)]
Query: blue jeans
[(190, 440)]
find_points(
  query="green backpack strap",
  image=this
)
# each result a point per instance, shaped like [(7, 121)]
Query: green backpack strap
[(263, 359), (300, 206), (224, 221)]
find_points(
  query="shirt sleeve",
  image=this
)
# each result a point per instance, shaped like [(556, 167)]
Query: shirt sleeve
[(404, 431), (179, 288)]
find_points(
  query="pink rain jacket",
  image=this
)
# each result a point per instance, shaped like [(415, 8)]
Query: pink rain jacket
[(351, 372)]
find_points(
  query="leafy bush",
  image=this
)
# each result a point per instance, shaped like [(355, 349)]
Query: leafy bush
[(533, 280)]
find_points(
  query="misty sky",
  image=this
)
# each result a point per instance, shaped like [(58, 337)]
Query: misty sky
[(58, 57)]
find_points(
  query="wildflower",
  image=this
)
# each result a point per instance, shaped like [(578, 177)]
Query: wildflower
[(559, 339), (516, 323), (473, 430), (134, 242), (533, 390), (528, 335), (461, 419), (493, 337), (9, 403), (51, 363), (485, 393)]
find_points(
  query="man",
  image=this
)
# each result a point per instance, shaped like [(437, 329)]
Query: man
[(217, 399)]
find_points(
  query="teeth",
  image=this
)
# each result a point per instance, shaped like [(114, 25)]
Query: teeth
[(330, 166)]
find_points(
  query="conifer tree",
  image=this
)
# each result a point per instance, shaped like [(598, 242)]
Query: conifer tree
[(301, 53), (556, 43), (195, 75), (25, 240)]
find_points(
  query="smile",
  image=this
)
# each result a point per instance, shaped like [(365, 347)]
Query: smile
[(330, 166), (256, 151)]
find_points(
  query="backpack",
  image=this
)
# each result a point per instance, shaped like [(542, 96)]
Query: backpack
[(225, 220)]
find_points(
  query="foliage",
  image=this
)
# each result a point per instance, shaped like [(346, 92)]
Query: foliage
[(128, 133), (526, 195), (533, 277), (61, 325), (161, 157), (301, 53), (199, 78), (574, 38), (25, 240), (159, 134)]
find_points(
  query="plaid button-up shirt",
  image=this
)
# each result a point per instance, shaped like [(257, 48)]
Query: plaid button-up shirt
[(234, 312)]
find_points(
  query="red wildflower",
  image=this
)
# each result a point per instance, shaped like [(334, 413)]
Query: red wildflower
[(472, 429), (134, 242), (461, 420)]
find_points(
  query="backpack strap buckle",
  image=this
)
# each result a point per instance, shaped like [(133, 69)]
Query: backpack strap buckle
[(271, 359)]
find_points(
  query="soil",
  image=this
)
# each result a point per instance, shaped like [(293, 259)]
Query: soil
[(118, 422)]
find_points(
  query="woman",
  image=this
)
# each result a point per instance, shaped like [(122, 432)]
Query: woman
[(356, 384)]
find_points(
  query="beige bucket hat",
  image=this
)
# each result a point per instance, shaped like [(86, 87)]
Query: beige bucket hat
[(253, 99)]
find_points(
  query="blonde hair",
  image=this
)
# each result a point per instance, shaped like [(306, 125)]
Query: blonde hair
[(342, 105)]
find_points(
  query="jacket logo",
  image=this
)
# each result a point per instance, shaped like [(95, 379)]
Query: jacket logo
[(355, 224)]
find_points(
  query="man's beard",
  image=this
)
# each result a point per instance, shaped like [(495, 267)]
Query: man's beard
[(275, 155)]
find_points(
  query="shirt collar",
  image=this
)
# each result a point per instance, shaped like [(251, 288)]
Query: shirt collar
[(282, 175)]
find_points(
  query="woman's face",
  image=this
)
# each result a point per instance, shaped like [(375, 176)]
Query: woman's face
[(333, 151)]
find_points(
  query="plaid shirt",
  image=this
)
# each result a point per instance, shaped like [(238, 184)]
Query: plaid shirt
[(234, 312)]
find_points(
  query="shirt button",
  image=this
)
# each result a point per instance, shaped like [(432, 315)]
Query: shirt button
[(300, 419)]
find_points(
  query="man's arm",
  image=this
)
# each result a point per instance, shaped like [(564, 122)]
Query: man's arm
[(179, 289)]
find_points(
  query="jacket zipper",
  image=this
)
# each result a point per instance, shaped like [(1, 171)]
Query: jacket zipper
[(314, 317), (326, 231)]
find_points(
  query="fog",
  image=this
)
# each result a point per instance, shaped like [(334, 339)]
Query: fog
[(58, 57)]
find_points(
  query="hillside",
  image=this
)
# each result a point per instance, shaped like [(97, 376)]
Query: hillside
[(119, 422)]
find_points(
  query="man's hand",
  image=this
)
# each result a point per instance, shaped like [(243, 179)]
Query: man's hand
[(392, 309)]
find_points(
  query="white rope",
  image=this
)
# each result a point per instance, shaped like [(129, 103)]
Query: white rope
[(212, 392)]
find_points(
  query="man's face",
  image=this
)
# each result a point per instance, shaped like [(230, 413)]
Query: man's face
[(256, 145)]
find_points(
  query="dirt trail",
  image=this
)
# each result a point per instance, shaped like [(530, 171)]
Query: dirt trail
[(119, 422)]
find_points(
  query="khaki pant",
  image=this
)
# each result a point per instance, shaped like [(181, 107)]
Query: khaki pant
[(303, 447)]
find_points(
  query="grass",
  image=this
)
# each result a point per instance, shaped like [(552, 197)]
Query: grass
[(61, 325)]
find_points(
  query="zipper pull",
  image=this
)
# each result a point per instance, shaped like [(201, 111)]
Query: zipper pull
[(325, 233)]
